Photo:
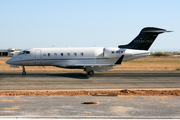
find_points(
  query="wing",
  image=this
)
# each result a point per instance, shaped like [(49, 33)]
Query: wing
[(95, 67)]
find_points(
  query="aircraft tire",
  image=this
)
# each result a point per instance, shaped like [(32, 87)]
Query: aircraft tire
[(23, 73), (91, 72)]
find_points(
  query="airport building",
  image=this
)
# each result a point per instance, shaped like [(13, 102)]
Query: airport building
[(3, 52), (9, 52)]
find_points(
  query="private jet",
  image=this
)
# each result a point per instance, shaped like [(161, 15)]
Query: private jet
[(89, 59)]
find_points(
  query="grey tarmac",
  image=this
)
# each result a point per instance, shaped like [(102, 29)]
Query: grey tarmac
[(81, 81), (71, 107)]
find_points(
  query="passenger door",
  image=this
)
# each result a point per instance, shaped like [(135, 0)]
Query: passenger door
[(38, 57)]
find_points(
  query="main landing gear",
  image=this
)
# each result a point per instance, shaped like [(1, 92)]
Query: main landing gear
[(24, 71), (89, 72)]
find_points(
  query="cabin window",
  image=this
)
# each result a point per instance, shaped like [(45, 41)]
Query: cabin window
[(68, 54), (112, 51), (55, 54), (117, 51), (81, 54), (75, 54), (61, 54), (49, 54), (44, 54)]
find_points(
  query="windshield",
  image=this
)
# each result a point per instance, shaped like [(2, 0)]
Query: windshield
[(24, 52)]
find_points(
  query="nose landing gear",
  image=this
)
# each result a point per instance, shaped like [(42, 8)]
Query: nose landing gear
[(24, 71)]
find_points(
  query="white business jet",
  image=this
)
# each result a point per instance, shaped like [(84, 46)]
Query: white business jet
[(89, 59)]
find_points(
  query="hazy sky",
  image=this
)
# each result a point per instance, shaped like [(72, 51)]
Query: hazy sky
[(87, 23)]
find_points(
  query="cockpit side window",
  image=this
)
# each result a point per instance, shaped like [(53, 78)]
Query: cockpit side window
[(24, 52), (27, 52)]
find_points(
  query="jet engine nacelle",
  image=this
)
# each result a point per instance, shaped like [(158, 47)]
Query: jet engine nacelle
[(113, 52)]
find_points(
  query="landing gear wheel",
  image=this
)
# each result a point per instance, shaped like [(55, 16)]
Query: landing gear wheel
[(23, 73), (91, 72)]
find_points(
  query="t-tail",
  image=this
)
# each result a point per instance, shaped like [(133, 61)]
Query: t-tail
[(145, 38)]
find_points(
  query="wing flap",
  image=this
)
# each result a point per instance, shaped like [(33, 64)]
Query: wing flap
[(89, 65)]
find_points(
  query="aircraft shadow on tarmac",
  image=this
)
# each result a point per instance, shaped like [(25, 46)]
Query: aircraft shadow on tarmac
[(70, 75), (86, 76)]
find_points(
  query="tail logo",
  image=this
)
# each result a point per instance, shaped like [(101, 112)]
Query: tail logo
[(143, 41)]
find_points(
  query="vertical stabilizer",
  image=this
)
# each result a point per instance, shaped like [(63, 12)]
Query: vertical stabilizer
[(145, 38)]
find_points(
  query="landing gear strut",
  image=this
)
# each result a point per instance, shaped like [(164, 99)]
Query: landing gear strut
[(24, 71)]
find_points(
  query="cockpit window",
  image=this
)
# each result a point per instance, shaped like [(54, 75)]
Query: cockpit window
[(24, 52)]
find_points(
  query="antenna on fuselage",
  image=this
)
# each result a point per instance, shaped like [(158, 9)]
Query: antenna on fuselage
[(53, 46)]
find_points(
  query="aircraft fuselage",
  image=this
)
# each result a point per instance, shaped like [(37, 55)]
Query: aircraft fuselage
[(69, 57)]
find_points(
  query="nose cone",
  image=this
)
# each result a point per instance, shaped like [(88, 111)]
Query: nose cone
[(9, 61)]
